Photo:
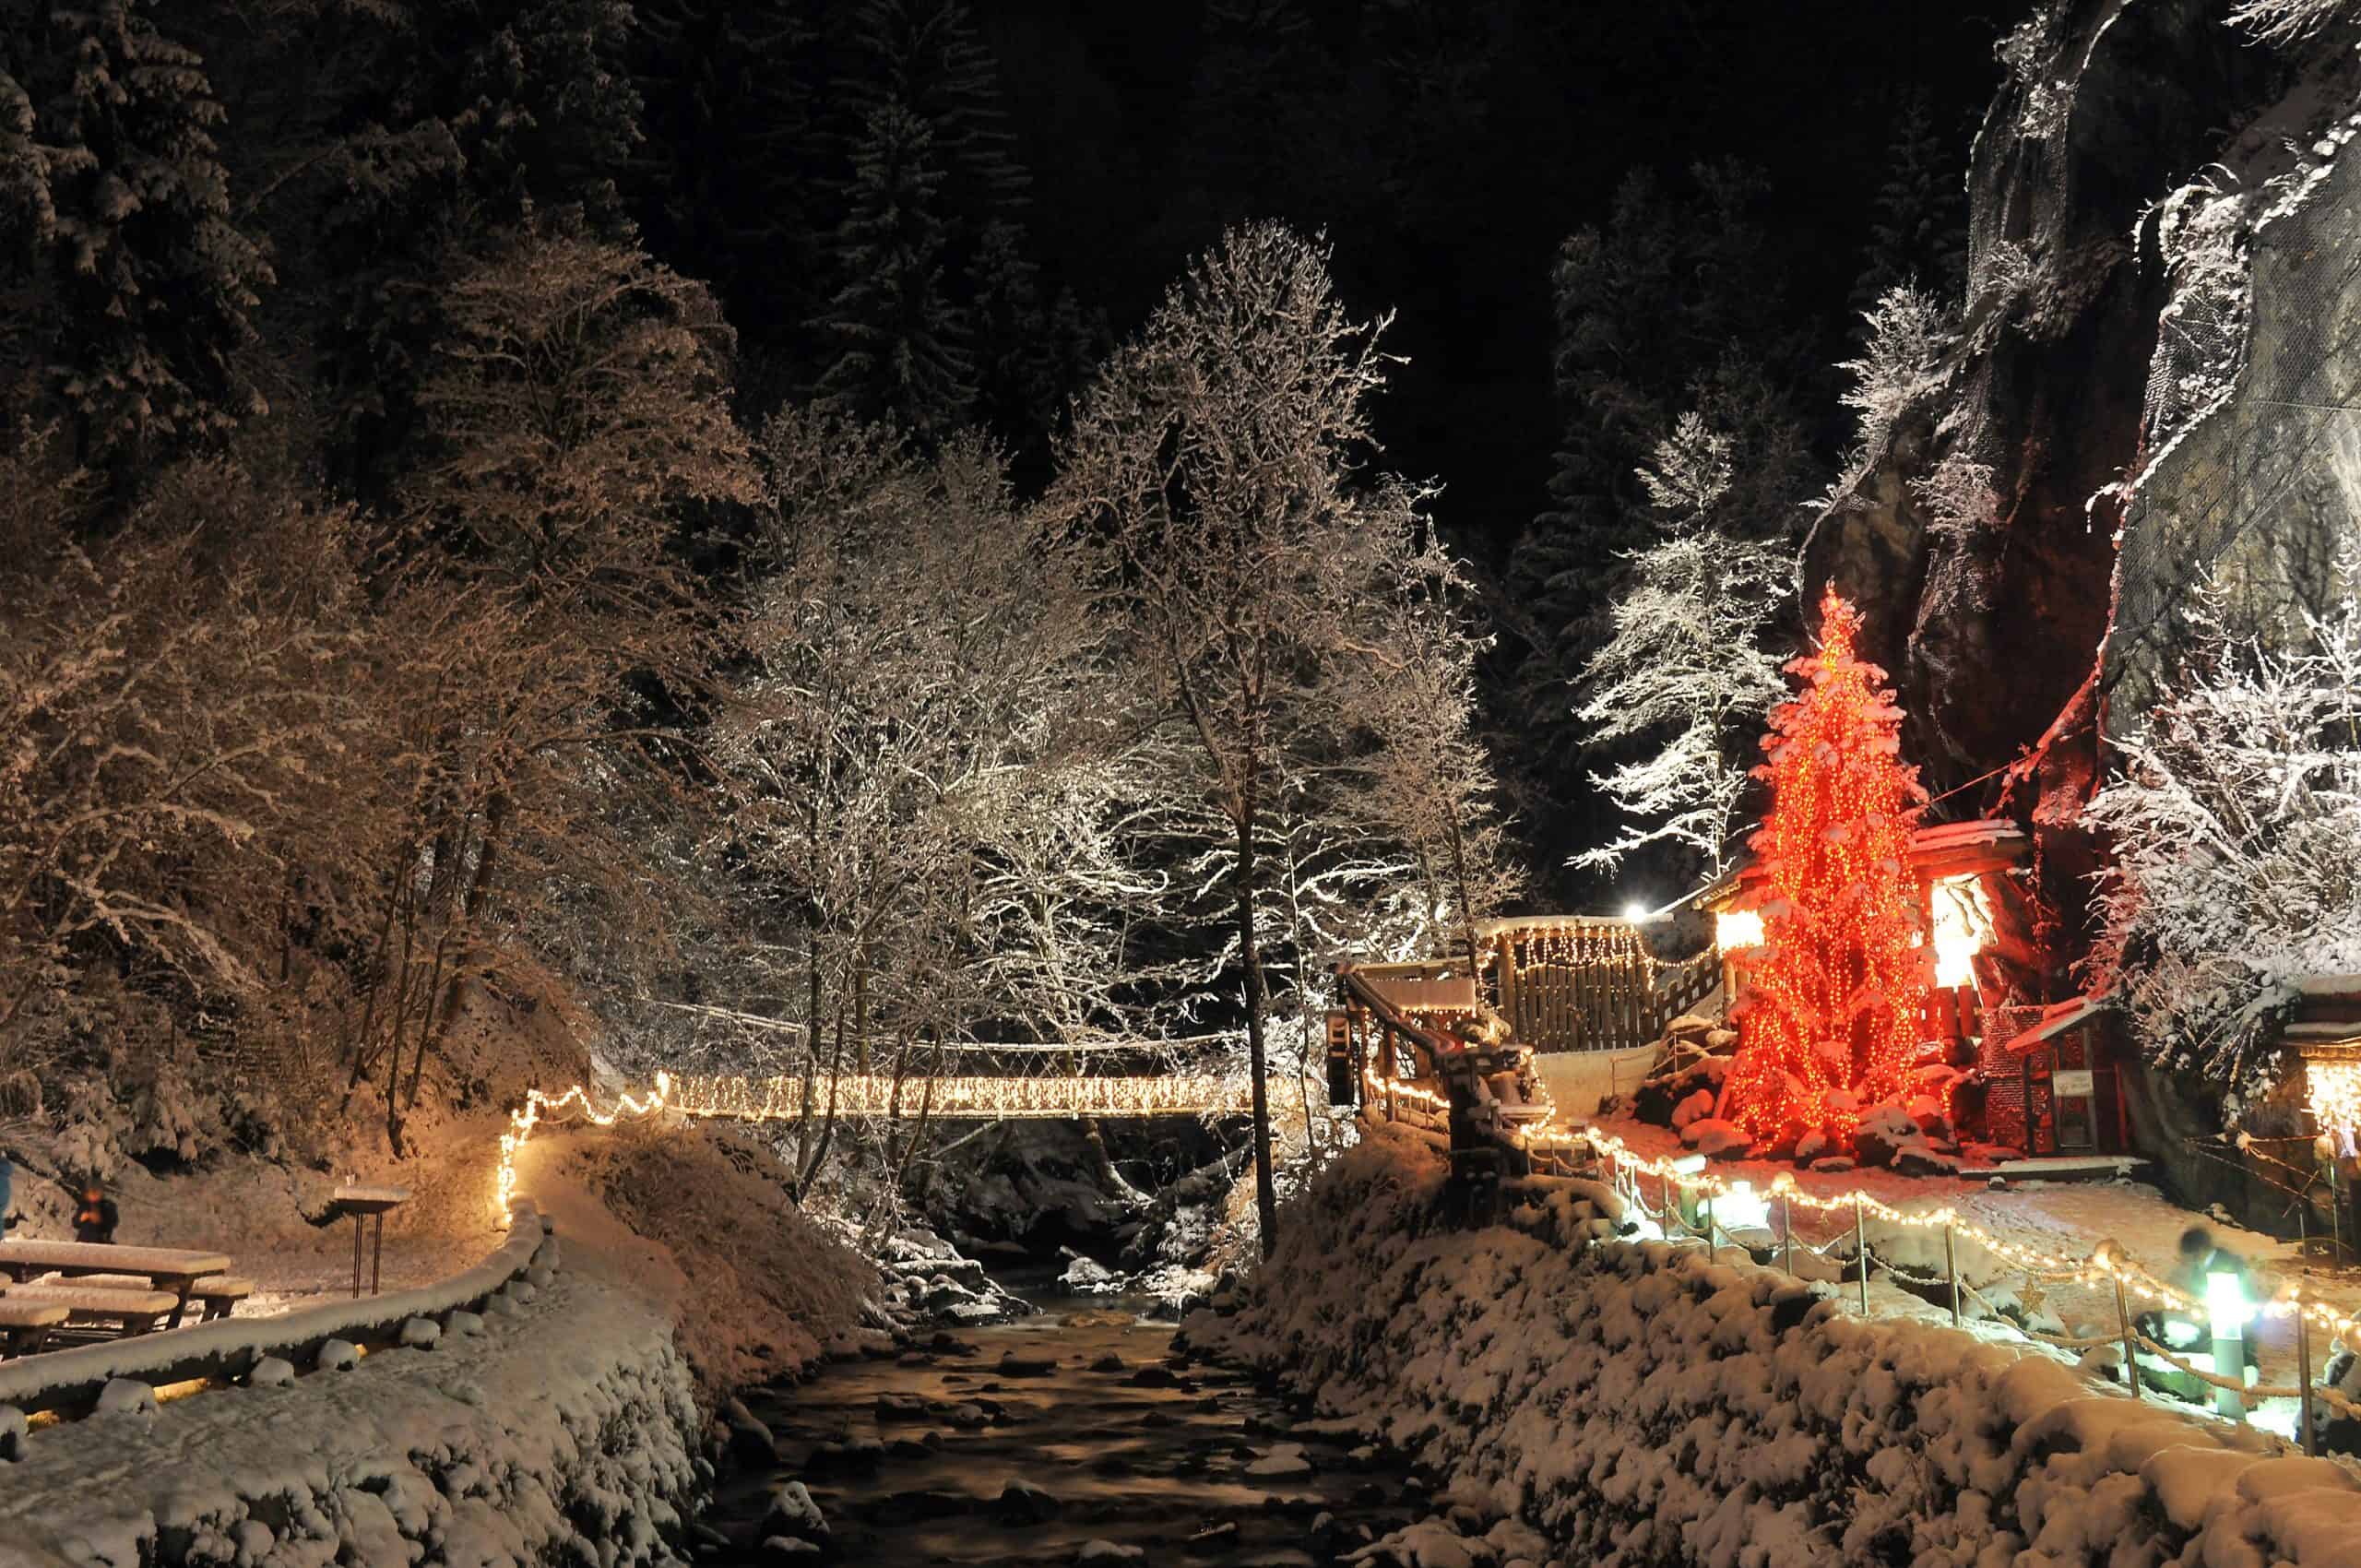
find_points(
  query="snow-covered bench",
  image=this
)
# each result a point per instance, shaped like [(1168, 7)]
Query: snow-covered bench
[(24, 1325), (128, 1311), (217, 1293)]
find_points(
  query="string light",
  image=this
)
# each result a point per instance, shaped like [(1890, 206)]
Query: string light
[(1833, 1000), (2333, 1092), (864, 1094)]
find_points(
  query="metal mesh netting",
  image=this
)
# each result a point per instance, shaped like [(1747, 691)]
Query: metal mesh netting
[(2263, 491)]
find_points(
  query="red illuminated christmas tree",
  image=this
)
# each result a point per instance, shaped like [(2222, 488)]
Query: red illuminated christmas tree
[(1827, 1019)]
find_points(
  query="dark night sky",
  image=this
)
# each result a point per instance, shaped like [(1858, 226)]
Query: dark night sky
[(1574, 94)]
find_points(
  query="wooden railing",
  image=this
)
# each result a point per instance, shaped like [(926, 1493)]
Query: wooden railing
[(1576, 982)]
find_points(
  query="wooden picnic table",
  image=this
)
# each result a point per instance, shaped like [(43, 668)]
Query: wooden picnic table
[(174, 1272)]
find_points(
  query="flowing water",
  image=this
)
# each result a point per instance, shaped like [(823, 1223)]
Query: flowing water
[(910, 1458)]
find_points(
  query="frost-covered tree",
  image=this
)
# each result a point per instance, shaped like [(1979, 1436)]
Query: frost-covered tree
[(2235, 825), (2282, 22), (1687, 663), (1218, 469), (898, 345), (1908, 330)]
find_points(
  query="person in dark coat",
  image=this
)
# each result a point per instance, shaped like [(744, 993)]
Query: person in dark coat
[(95, 1221)]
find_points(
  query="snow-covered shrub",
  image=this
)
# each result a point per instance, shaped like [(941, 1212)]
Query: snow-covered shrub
[(2237, 825), (1959, 497), (1907, 335)]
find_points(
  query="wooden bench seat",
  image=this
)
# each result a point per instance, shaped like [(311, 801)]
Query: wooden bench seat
[(221, 1293), (134, 1312), (24, 1325), (167, 1268)]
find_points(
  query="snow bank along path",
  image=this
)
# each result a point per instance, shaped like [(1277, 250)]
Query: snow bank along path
[(1640, 1405), (554, 1426)]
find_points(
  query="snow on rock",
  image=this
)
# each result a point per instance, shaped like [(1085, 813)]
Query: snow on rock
[(122, 1396), (793, 1513), (1092, 1552), (574, 1448), (420, 1333), (1637, 1405), (1085, 1277), (338, 1355), (272, 1372), (12, 1433), (1714, 1138), (1283, 1462)]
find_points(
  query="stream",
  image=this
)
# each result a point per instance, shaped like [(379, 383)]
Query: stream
[(1025, 1442)]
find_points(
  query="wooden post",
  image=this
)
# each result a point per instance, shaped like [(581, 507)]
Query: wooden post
[(1787, 1233), (1713, 1237), (2336, 1210), (1668, 1210), (1504, 980), (1861, 1251), (2304, 1381), (1950, 1269), (2130, 1346)]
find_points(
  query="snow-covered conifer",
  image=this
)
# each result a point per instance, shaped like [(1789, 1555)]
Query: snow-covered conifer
[(1687, 661)]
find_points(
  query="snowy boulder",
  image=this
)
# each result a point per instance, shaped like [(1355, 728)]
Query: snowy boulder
[(1085, 1278), (788, 1549), (1286, 1461), (1696, 1108), (547, 1255), (12, 1435), (1022, 1502), (1882, 1133), (253, 1540), (421, 1334), (272, 1372), (1919, 1157), (126, 1396), (793, 1513), (539, 1277), (1810, 1147), (337, 1354), (1832, 1164), (1714, 1138), (523, 1291), (1091, 1553), (1013, 1365), (751, 1443), (1109, 1362), (463, 1325)]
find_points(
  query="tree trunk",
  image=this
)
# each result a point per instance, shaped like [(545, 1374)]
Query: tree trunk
[(1266, 1192), (810, 1052), (471, 907)]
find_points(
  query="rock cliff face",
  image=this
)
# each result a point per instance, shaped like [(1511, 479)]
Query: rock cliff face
[(1992, 625)]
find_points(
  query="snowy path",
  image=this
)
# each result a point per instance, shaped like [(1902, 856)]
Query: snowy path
[(2070, 1219)]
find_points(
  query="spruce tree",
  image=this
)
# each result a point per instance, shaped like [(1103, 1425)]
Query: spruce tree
[(727, 183), (142, 282), (899, 347), (1831, 1008), (1917, 223)]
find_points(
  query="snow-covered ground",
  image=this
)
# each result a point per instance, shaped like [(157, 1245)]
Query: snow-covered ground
[(1638, 1404), (559, 1432)]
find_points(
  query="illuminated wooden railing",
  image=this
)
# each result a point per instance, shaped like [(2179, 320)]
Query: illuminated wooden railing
[(1577, 983)]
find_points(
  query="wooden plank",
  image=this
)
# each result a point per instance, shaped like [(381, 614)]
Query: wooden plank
[(92, 1257), (106, 1306)]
